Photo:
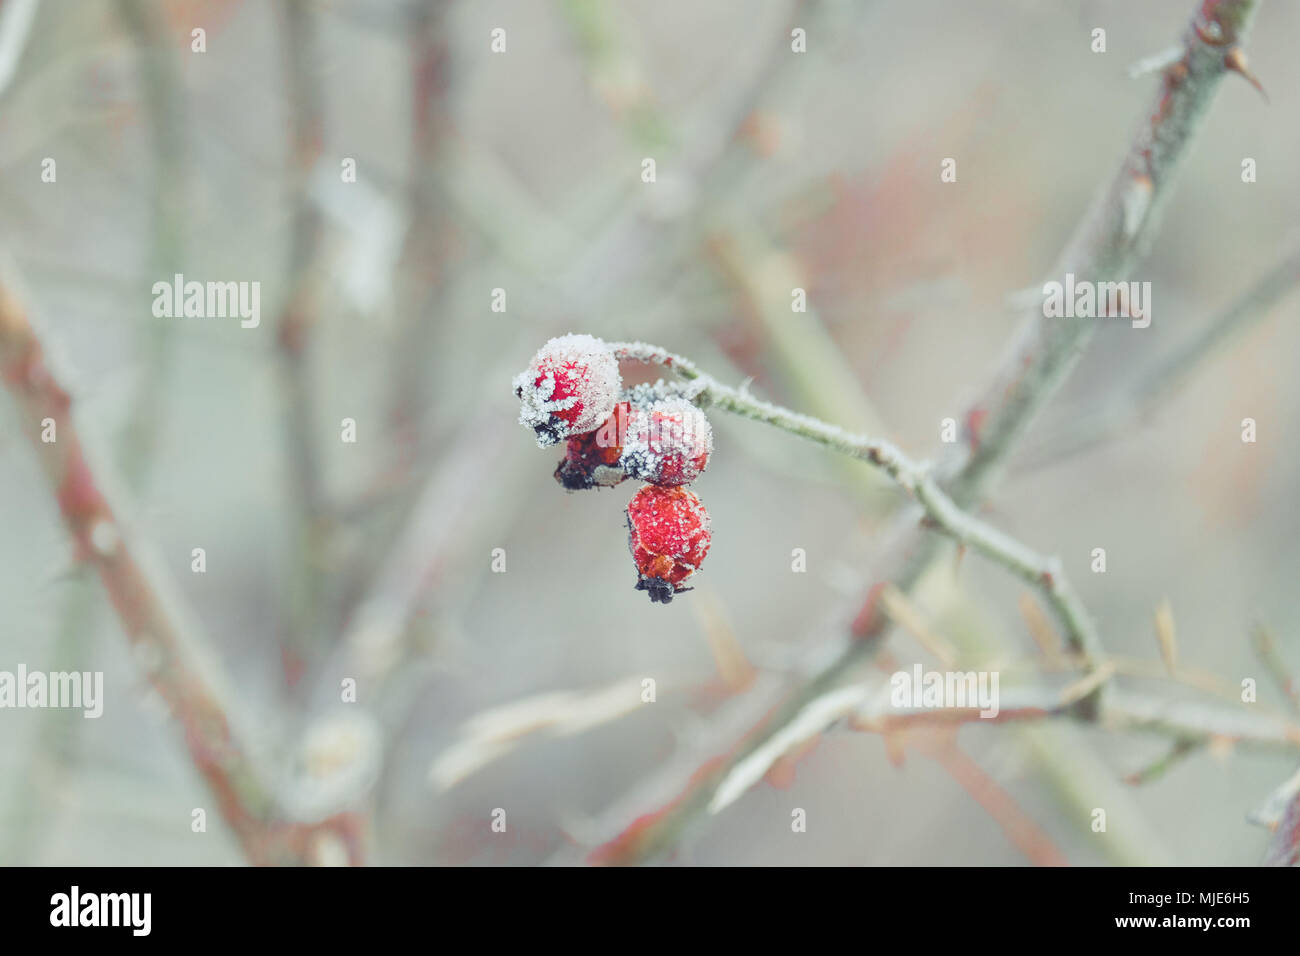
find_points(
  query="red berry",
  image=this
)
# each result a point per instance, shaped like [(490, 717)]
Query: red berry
[(668, 443), (569, 387), (668, 535), (591, 459)]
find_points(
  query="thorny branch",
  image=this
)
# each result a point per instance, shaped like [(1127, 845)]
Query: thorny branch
[(1118, 227), (169, 658), (163, 96), (1116, 230)]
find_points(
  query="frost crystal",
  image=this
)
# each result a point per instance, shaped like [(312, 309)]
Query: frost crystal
[(569, 387), (668, 442)]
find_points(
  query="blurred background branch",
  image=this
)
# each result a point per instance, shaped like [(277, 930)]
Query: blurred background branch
[(173, 661)]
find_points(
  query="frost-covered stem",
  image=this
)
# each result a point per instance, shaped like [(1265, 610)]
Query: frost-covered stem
[(169, 657), (1045, 574)]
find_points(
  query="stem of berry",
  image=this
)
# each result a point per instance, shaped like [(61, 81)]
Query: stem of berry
[(1041, 572)]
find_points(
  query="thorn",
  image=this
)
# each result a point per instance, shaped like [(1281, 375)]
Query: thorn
[(974, 424), (894, 750), (1157, 62), (1236, 62), (1166, 636)]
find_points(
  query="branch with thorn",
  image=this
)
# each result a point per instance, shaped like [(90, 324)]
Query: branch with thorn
[(170, 658), (1115, 231)]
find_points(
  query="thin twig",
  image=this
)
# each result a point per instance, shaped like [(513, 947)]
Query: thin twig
[(425, 254), (1023, 832), (899, 607), (1195, 679), (1262, 643), (1180, 751), (1089, 427), (374, 642), (308, 506), (162, 90), (1180, 720)]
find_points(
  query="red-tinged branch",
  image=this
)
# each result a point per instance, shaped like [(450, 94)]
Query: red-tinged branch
[(166, 656), (644, 834)]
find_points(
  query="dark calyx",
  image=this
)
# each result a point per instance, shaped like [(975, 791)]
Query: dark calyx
[(661, 591), (573, 476)]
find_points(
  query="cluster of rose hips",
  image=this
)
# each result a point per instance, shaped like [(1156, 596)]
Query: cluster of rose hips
[(572, 392)]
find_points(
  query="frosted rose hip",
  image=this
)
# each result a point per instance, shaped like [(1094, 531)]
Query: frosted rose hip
[(668, 443), (569, 387), (668, 535)]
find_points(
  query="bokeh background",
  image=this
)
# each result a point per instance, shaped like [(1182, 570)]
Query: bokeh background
[(521, 171)]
